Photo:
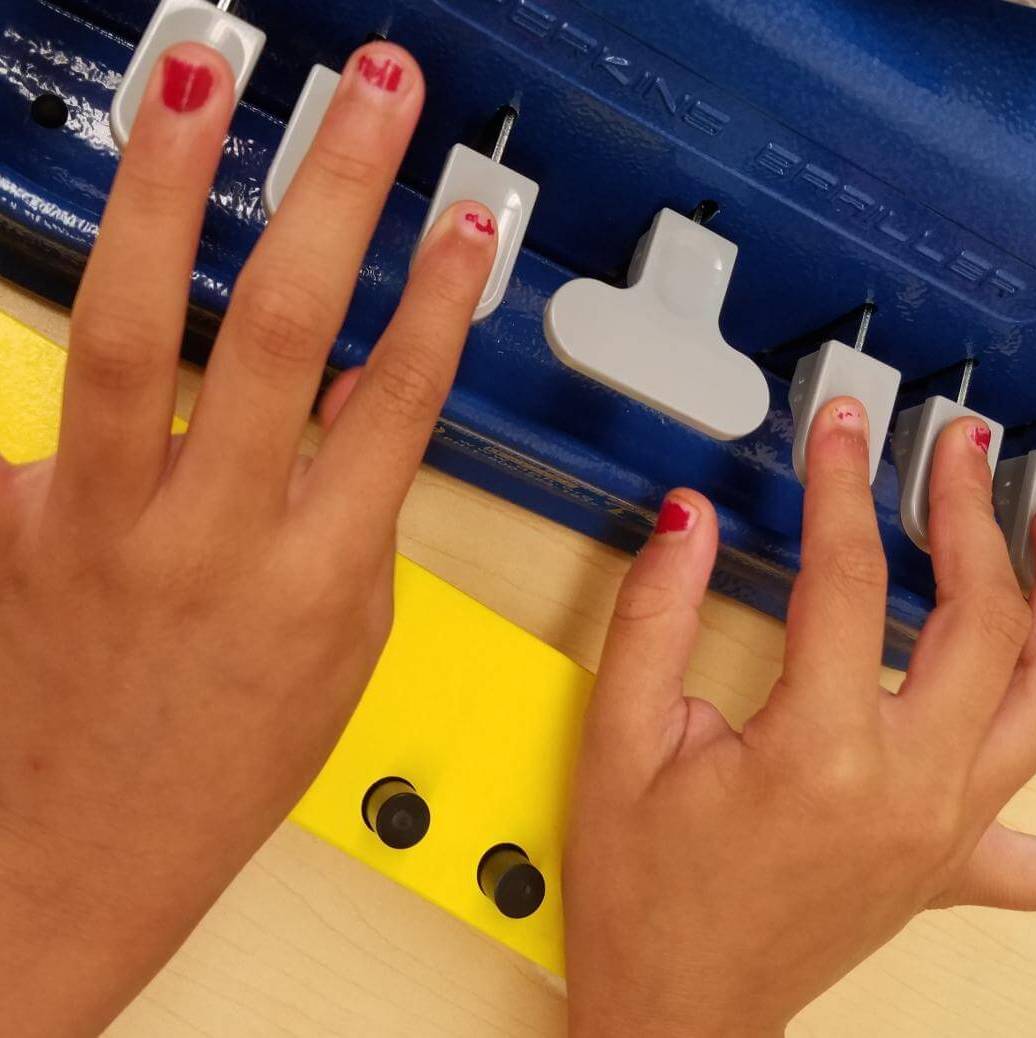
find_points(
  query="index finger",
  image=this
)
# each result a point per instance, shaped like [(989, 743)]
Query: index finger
[(291, 298), (393, 408), (836, 616), (970, 645)]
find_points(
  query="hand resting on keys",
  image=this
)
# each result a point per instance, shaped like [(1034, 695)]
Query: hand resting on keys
[(187, 624), (716, 881)]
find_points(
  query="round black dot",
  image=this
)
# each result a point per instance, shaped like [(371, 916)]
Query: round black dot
[(520, 891), (49, 111), (402, 821)]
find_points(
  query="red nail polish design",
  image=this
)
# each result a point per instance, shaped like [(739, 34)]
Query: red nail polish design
[(485, 228), (386, 74), (185, 87), (674, 517), (981, 437)]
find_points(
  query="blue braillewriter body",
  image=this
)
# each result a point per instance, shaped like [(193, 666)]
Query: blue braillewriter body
[(859, 151)]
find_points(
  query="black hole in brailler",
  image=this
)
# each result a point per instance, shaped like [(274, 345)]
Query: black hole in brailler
[(49, 111), (706, 210)]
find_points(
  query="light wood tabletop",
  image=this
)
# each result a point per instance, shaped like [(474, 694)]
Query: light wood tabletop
[(310, 943)]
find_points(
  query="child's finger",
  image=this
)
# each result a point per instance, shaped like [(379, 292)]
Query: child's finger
[(128, 318), (638, 715), (969, 647), (1007, 758), (291, 298), (836, 616), (379, 436)]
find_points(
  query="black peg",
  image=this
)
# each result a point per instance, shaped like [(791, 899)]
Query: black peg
[(511, 881), (394, 811)]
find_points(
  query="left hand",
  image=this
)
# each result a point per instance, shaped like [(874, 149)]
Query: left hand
[(186, 625)]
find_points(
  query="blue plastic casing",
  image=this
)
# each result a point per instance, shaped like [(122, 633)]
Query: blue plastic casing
[(859, 150)]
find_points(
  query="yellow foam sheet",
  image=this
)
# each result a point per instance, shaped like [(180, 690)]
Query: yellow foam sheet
[(480, 716)]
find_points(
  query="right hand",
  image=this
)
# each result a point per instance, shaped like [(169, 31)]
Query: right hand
[(716, 882)]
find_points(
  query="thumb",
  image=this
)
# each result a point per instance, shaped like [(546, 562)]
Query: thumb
[(1000, 874), (638, 714)]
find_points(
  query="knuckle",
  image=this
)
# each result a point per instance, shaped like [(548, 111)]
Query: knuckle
[(856, 567), (447, 289), (844, 772), (960, 495), (407, 384), (341, 168), (112, 349), (284, 324), (150, 187), (444, 279), (844, 479), (1005, 618), (642, 601)]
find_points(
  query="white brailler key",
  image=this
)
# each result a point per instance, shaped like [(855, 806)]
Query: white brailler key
[(839, 370), (511, 197), (467, 175), (1014, 494), (183, 21), (913, 445), (306, 117), (658, 340)]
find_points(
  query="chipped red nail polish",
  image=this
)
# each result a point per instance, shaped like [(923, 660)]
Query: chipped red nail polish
[(386, 75), (674, 517), (185, 87), (485, 228), (981, 437), (848, 415)]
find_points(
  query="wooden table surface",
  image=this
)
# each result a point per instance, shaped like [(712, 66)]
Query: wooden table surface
[(308, 942)]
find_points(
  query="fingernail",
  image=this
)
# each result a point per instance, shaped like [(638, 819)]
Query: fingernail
[(848, 415), (382, 74), (676, 517), (474, 222), (185, 86), (981, 436)]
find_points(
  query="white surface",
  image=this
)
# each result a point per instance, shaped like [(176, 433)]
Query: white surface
[(658, 340), (839, 370), (179, 21)]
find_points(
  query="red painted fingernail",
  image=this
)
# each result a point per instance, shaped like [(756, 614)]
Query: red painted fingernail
[(485, 226), (675, 517), (980, 436), (185, 87), (384, 73)]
